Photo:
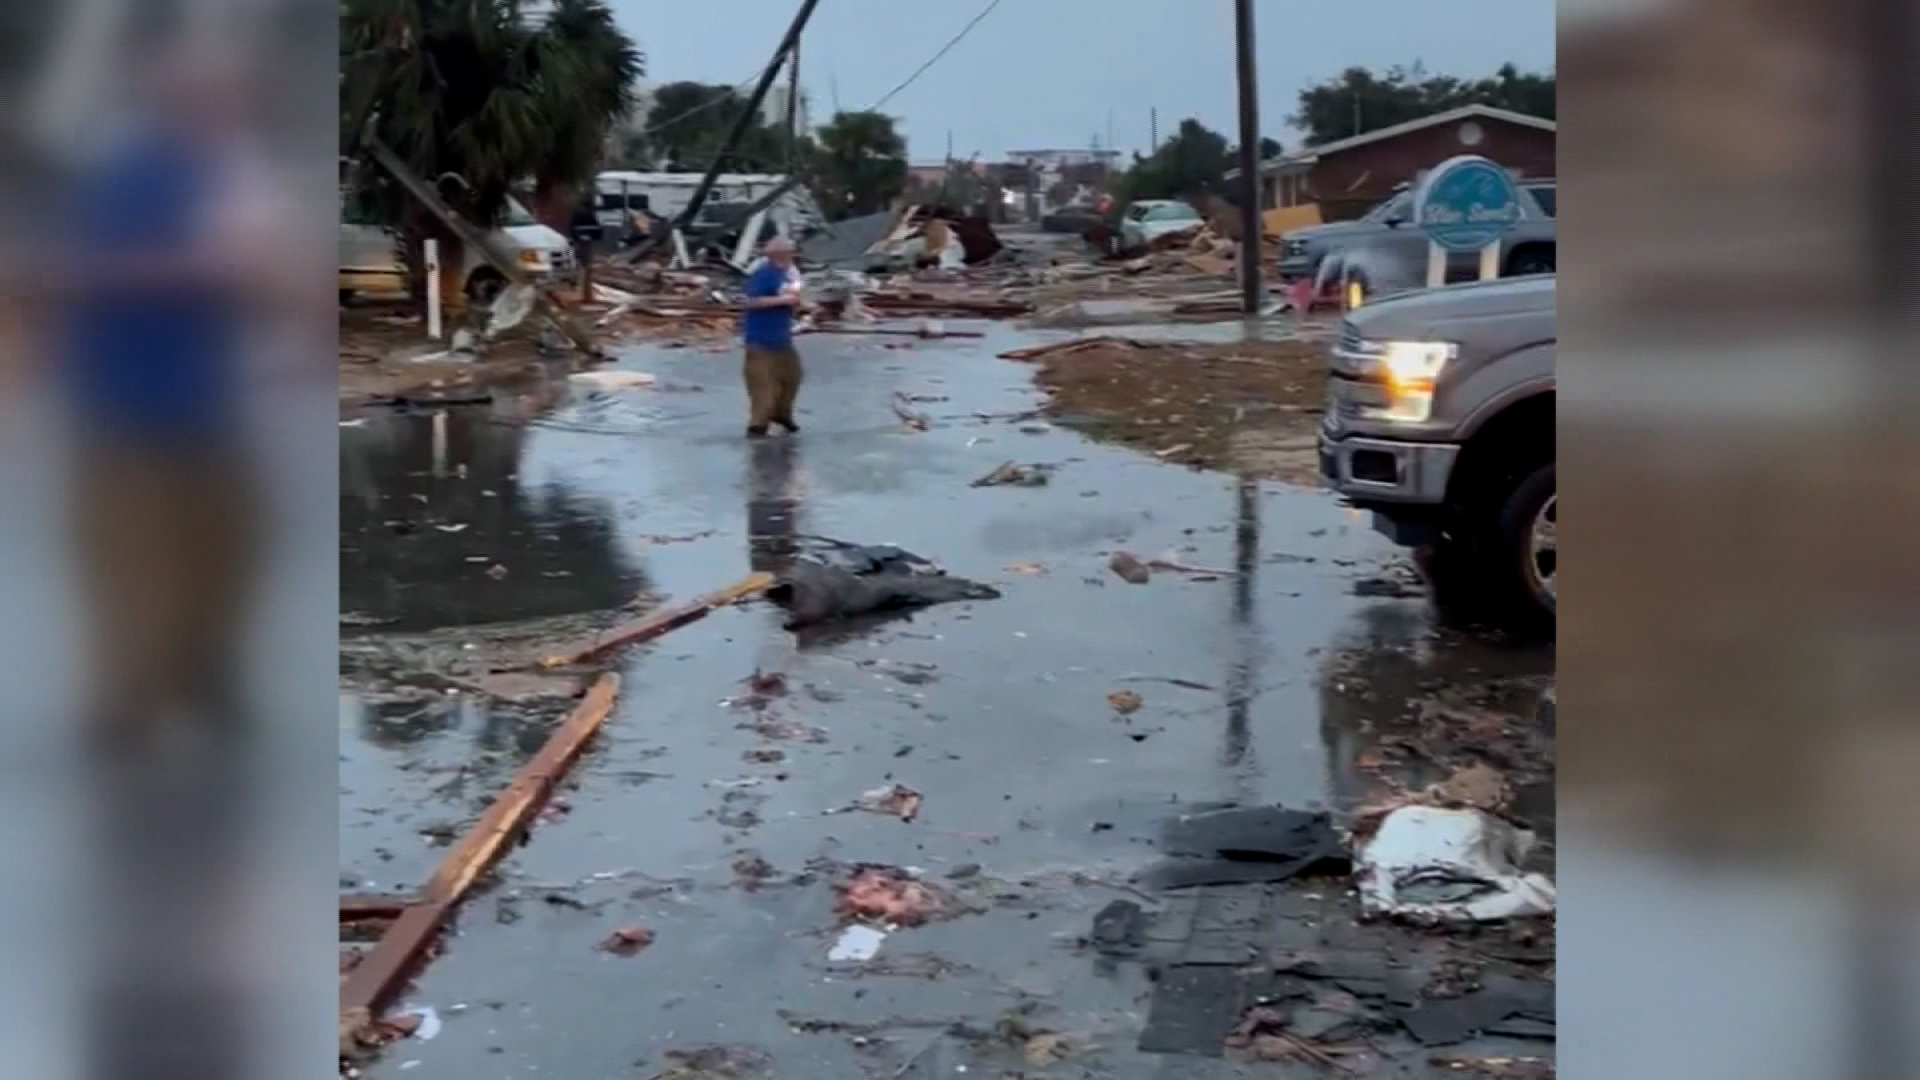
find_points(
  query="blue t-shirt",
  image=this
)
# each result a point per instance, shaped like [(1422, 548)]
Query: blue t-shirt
[(152, 363), (768, 328)]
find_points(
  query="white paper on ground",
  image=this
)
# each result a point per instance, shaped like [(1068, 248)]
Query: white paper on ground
[(856, 944), (611, 379), (1442, 865)]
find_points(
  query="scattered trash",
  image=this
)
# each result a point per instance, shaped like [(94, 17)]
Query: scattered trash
[(1129, 568), (1520, 1008), (888, 895), (1170, 563), (1011, 474), (713, 1063), (420, 1022), (1438, 865), (908, 415), (612, 379), (857, 944), (1261, 844), (508, 310), (496, 571), (1125, 702), (1263, 1036), (898, 800), (862, 580), (1119, 929), (764, 755), (1478, 786), (627, 941), (1046, 1049), (1030, 569)]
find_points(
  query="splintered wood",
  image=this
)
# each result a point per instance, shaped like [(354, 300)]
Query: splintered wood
[(659, 623), (380, 973)]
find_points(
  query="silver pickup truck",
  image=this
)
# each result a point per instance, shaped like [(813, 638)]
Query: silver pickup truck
[(1440, 420)]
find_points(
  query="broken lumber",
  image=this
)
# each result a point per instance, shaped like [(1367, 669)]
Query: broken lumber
[(380, 974), (362, 907), (1035, 352), (509, 267), (659, 623)]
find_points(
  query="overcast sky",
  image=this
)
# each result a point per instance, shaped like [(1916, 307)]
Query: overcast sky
[(1039, 74)]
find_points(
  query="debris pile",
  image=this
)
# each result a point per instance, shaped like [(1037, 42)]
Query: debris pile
[(887, 895)]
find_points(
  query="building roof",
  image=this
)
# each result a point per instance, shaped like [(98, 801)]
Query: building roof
[(1309, 155)]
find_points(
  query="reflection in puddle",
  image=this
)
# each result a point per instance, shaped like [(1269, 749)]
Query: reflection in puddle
[(438, 529)]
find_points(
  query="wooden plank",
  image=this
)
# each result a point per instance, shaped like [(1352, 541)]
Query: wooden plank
[(357, 906), (380, 974), (660, 622)]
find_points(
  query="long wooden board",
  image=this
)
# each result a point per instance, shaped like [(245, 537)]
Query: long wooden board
[(381, 973), (659, 623)]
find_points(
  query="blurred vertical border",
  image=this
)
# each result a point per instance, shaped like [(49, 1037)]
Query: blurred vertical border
[(1740, 617), (173, 916)]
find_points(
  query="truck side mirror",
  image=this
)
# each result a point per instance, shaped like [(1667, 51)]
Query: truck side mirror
[(1396, 221)]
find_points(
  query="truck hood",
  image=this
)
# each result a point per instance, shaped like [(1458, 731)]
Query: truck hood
[(1421, 314), (536, 237)]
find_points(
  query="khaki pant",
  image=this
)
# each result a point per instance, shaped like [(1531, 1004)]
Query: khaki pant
[(165, 545), (773, 381)]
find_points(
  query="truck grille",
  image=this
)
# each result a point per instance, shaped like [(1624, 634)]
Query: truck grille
[(1349, 337)]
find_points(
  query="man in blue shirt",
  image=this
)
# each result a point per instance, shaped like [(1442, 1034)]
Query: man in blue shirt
[(157, 288), (772, 365)]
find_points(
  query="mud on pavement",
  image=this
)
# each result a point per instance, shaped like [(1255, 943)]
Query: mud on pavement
[(925, 840)]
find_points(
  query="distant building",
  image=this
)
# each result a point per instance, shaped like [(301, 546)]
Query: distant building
[(1063, 159), (1348, 176)]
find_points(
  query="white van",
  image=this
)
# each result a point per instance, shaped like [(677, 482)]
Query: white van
[(370, 259)]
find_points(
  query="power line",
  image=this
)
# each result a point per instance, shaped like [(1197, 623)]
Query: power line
[(713, 103), (944, 49)]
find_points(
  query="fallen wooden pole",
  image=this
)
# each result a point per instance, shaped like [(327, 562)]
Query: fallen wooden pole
[(881, 332), (659, 623), (359, 907), (381, 973)]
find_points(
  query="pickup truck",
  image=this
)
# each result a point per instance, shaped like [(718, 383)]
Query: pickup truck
[(1440, 421)]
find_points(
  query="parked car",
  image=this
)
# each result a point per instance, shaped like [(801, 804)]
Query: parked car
[(1440, 421), (1388, 229), (1149, 219), (371, 261)]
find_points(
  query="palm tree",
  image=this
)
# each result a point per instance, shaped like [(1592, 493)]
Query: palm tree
[(592, 67), (861, 161), (479, 95)]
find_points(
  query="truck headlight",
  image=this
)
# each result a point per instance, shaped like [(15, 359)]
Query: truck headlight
[(1409, 371)]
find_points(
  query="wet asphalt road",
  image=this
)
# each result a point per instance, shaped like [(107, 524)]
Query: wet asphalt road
[(996, 711)]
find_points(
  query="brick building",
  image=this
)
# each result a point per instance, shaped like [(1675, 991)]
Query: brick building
[(1347, 176)]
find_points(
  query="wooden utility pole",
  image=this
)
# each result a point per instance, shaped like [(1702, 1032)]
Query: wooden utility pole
[(793, 109), (1251, 243), (746, 119)]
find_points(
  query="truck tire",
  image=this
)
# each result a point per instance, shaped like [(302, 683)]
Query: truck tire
[(1524, 550), (484, 286)]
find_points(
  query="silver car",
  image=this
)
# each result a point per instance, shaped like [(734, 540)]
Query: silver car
[(1388, 234)]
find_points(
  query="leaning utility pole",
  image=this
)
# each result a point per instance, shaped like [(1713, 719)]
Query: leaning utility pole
[(788, 43), (1251, 244)]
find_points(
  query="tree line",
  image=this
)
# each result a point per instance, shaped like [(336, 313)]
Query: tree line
[(487, 99), (1356, 101)]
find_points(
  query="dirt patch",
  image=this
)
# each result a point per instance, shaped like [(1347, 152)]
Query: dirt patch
[(1252, 406)]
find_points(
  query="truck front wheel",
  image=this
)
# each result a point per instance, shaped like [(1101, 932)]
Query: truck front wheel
[(1525, 548)]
